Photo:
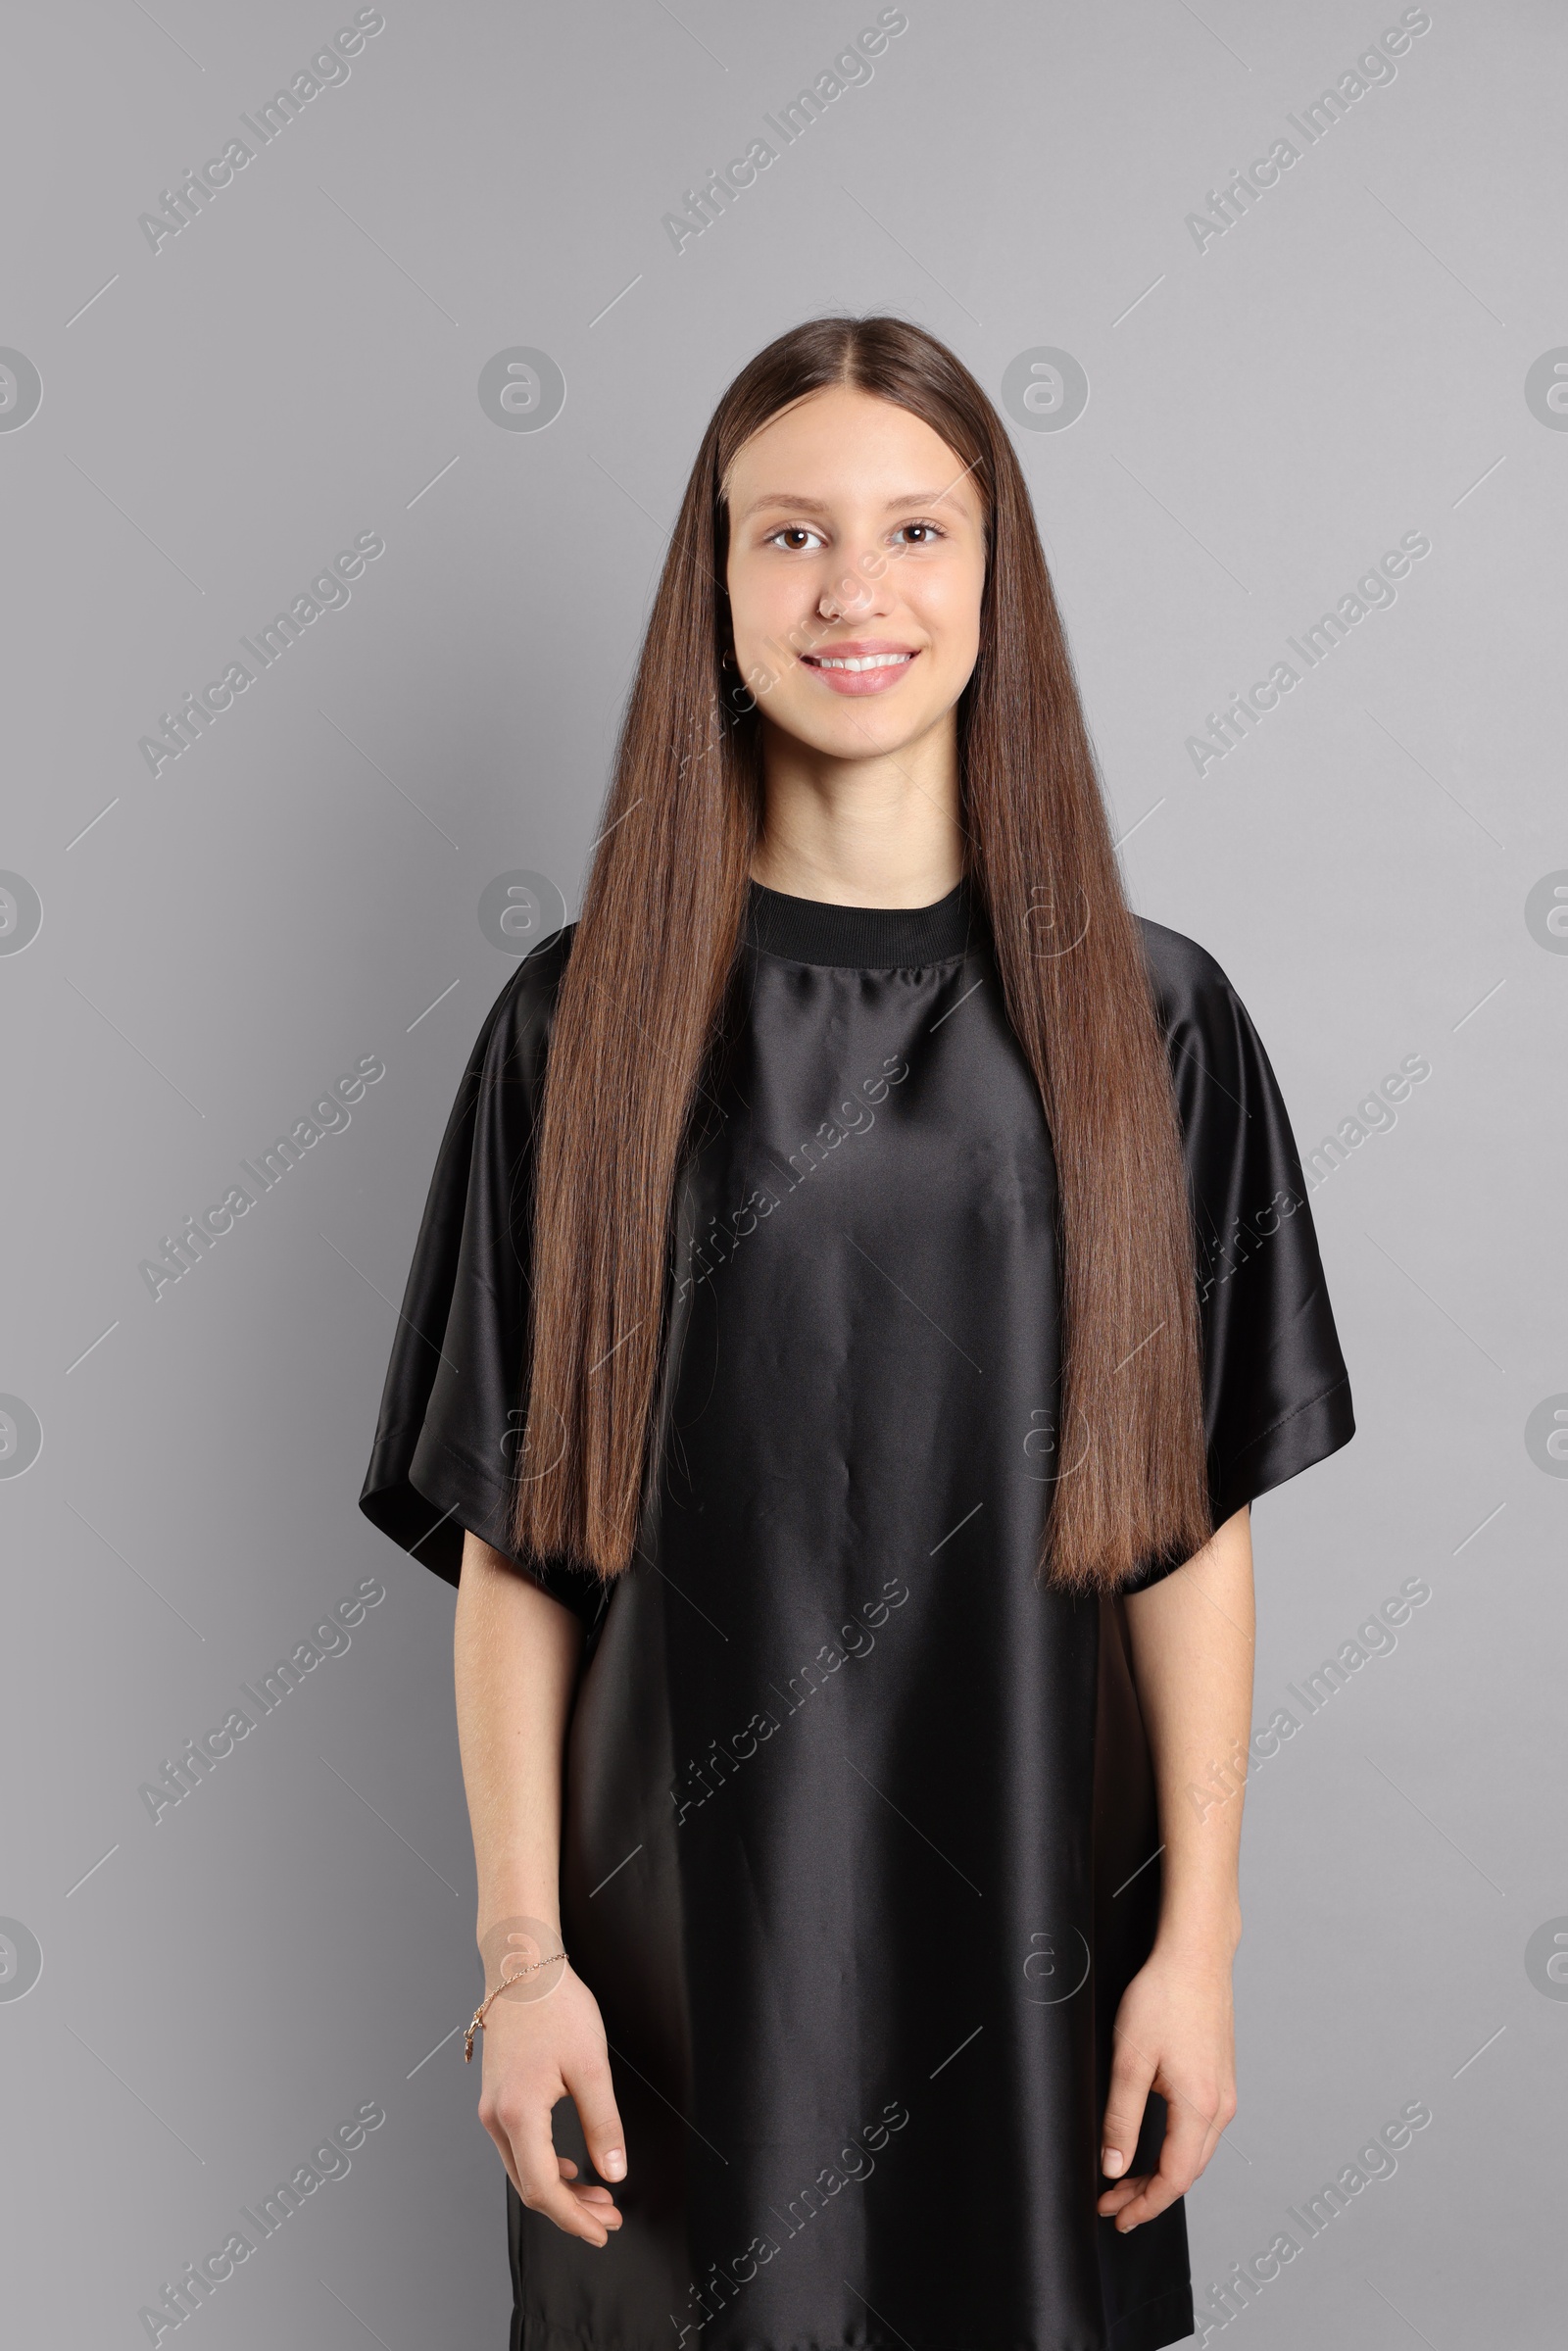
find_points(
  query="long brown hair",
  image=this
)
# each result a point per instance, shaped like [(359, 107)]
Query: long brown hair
[(641, 997)]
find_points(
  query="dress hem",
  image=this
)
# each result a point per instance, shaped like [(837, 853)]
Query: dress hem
[(1164, 2320)]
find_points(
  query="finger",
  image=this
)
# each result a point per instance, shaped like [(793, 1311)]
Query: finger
[(593, 2093), (539, 2181), (593, 2194), (589, 2192), (1131, 2074), (607, 2213), (1117, 2199), (1155, 2196), (1187, 2132)]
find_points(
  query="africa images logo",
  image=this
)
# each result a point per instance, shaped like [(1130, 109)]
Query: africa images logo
[(329, 592), (21, 390), (707, 204), (329, 69)]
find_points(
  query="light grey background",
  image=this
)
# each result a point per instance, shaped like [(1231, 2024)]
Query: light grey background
[(301, 365)]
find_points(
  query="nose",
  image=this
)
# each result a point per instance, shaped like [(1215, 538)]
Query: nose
[(854, 596)]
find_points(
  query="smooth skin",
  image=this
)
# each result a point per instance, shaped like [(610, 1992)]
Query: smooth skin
[(851, 519), (853, 523), (1191, 1654), (517, 1654)]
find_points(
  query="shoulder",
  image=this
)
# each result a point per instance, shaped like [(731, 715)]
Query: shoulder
[(1190, 985), (516, 1028), (500, 1086), (1217, 1058)]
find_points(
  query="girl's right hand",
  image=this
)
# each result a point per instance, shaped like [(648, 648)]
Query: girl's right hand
[(535, 2053)]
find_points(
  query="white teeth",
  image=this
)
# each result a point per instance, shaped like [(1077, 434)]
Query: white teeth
[(870, 660)]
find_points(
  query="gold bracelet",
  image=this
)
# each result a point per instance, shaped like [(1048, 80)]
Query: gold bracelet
[(476, 2023)]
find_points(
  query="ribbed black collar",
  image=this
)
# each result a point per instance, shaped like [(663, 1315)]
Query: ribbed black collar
[(810, 930)]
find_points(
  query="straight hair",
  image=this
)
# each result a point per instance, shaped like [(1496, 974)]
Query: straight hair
[(641, 1006)]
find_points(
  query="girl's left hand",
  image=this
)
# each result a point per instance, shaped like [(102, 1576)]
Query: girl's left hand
[(1175, 2033)]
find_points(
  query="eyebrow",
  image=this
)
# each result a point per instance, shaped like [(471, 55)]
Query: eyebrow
[(815, 506)]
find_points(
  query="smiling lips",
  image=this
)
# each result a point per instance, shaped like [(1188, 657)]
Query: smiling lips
[(862, 665)]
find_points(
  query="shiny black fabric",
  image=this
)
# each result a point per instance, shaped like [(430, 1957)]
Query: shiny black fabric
[(851, 1799)]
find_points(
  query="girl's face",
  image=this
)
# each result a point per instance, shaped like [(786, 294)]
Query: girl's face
[(855, 536)]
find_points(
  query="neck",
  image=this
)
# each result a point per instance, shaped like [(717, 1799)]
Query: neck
[(883, 831)]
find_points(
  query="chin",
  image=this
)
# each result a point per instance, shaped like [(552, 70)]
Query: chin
[(863, 731)]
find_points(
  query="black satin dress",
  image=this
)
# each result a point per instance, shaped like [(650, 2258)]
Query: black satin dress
[(853, 1802)]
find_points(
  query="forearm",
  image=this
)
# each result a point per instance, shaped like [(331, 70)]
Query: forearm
[(1192, 1654), (517, 1653), (1191, 1636)]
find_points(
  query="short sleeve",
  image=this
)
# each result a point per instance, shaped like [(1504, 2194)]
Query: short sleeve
[(1276, 1392), (450, 1418)]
